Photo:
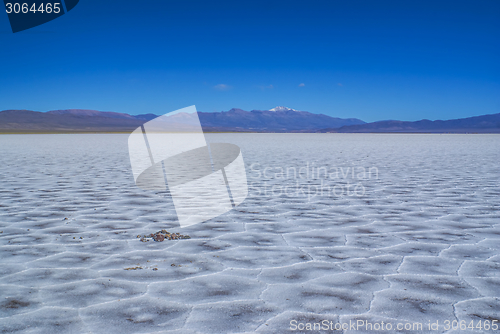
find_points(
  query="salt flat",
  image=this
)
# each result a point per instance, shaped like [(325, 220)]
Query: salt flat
[(417, 243)]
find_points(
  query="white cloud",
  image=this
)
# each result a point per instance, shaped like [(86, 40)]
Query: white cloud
[(302, 85), (266, 87), (222, 87)]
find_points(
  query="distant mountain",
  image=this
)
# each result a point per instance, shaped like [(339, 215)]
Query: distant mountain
[(62, 121), (281, 108), (108, 114), (279, 119), (477, 124)]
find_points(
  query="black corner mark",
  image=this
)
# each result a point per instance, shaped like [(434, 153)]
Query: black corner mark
[(26, 14), (70, 4)]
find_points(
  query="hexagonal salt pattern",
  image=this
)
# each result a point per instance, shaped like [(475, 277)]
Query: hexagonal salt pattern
[(421, 244)]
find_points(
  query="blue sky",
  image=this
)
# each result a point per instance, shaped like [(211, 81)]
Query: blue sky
[(372, 60)]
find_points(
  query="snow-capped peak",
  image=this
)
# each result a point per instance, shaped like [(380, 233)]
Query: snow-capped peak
[(281, 108)]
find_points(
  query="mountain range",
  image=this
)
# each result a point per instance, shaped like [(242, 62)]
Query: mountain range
[(278, 119), (476, 124)]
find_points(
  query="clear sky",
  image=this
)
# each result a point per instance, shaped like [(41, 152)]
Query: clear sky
[(372, 60)]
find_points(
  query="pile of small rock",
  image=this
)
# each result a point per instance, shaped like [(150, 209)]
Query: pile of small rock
[(163, 235)]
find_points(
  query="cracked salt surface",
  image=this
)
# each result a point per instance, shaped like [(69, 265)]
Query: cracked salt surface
[(422, 244)]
